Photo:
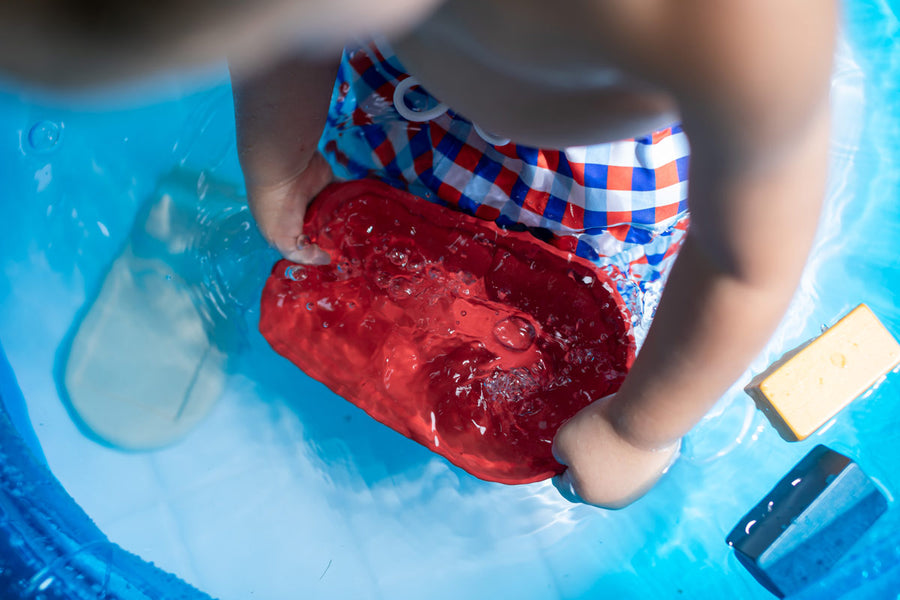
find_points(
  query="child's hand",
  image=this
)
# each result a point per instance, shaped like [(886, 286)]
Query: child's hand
[(279, 116), (605, 469), (279, 210)]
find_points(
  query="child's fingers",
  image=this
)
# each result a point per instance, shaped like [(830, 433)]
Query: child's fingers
[(279, 211), (308, 254), (563, 482), (566, 487), (555, 451)]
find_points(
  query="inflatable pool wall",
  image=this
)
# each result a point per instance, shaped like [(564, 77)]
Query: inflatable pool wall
[(49, 548)]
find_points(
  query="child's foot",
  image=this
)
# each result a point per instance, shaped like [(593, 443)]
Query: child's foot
[(147, 361)]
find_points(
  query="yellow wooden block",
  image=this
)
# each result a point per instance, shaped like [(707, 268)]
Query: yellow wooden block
[(809, 385)]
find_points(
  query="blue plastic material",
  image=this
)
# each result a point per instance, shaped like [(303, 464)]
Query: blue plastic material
[(49, 548), (806, 524), (11, 398), (874, 574)]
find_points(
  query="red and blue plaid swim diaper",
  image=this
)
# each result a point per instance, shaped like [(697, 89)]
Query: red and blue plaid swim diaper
[(620, 204)]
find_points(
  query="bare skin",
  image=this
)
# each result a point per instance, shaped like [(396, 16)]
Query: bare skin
[(752, 97), (280, 115), (75, 44)]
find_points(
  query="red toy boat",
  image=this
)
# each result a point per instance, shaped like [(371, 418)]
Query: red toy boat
[(472, 340)]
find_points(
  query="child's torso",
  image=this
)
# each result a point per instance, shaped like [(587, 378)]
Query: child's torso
[(506, 66)]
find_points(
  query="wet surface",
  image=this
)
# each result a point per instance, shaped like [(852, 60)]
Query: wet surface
[(474, 341)]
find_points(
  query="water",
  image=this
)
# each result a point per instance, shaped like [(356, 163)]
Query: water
[(499, 397), (286, 491)]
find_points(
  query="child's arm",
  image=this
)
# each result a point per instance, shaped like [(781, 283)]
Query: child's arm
[(757, 118), (280, 114)]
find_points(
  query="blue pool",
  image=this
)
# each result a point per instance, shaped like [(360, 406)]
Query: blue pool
[(286, 491)]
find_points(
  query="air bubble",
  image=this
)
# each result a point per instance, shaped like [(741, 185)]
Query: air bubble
[(514, 333), (296, 273), (401, 288), (44, 135), (382, 279), (398, 257)]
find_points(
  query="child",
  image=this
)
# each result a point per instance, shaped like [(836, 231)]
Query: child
[(752, 99), (746, 79)]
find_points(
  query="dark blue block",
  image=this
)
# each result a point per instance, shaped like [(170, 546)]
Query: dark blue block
[(807, 522)]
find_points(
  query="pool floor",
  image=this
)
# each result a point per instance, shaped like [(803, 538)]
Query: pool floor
[(285, 490)]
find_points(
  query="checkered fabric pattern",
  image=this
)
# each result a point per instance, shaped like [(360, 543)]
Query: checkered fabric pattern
[(622, 204)]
